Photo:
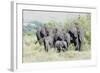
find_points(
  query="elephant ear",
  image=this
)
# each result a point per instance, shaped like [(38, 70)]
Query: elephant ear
[(73, 29)]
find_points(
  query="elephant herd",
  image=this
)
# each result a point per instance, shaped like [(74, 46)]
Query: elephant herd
[(60, 39)]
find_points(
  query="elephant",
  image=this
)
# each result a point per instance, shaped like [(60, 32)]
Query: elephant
[(48, 43), (77, 34), (46, 36), (61, 45), (41, 33), (80, 33), (58, 36), (62, 35), (54, 36), (67, 38)]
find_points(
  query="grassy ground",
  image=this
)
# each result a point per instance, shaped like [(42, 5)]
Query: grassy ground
[(35, 53)]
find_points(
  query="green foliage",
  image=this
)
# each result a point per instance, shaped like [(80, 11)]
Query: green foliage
[(51, 23), (85, 22), (35, 53)]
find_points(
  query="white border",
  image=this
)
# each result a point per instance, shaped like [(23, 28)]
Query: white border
[(17, 37)]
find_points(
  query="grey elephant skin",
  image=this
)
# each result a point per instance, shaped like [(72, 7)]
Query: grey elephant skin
[(77, 35), (48, 43), (61, 46), (58, 38), (41, 33)]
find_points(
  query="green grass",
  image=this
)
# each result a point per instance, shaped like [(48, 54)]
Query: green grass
[(35, 53)]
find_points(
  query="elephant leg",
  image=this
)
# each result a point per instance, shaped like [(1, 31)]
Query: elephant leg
[(40, 42), (64, 49), (80, 44), (45, 46), (76, 43), (58, 50)]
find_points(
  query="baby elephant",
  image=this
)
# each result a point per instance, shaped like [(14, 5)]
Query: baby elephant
[(61, 45)]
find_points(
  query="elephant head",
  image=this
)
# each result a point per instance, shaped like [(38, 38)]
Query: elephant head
[(41, 33)]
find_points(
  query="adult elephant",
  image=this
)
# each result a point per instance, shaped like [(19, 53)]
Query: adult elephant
[(80, 33), (41, 33), (77, 35), (67, 38), (48, 43), (61, 35), (58, 36)]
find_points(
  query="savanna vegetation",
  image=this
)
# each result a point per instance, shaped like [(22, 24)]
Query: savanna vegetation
[(35, 53)]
